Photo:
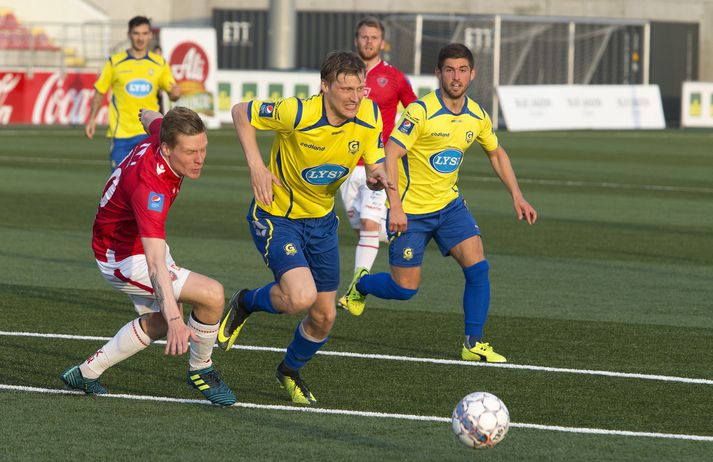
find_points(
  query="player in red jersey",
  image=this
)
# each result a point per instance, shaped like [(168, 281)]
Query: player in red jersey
[(387, 86), (129, 244)]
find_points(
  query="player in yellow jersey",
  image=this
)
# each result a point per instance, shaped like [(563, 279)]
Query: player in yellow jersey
[(425, 151), (318, 142), (134, 77)]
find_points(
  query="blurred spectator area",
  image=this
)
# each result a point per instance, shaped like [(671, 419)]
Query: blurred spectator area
[(25, 44)]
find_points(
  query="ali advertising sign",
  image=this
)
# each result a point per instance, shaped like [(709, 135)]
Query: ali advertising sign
[(193, 62), (48, 98)]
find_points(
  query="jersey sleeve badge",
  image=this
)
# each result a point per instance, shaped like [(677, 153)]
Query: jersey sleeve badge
[(406, 126), (156, 202), (266, 109)]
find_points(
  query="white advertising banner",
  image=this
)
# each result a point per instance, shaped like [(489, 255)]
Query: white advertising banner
[(192, 55), (581, 107), (697, 104), (235, 86)]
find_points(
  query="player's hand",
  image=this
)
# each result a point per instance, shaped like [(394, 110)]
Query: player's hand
[(90, 128), (379, 181), (262, 179), (177, 337), (397, 220), (175, 92), (524, 210)]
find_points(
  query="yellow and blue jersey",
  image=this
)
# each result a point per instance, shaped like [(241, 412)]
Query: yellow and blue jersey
[(134, 84), (436, 140), (311, 157)]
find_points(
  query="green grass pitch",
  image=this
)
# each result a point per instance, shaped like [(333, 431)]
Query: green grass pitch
[(615, 276)]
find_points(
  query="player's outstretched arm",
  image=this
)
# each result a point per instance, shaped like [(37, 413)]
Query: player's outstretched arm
[(500, 161), (397, 218), (178, 332), (147, 117), (91, 125), (260, 176)]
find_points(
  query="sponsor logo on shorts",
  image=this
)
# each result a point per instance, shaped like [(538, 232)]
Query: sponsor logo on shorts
[(324, 174), (138, 88), (406, 127), (156, 201), (446, 161), (266, 109), (173, 276), (408, 253), (290, 249), (354, 146)]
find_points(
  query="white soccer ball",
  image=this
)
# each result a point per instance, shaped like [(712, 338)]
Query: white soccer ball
[(480, 420)]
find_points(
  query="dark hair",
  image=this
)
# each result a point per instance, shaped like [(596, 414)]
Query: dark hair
[(454, 50), (341, 62), (180, 121), (370, 21), (138, 21)]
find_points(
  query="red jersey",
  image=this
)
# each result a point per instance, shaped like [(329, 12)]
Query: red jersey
[(387, 86), (135, 201)]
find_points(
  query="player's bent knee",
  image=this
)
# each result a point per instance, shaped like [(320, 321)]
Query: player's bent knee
[(300, 301)]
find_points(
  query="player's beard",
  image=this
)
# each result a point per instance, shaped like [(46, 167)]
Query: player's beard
[(368, 55), (454, 94)]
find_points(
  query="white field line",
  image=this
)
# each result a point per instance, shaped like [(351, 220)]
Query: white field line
[(452, 362), (488, 179), (379, 415)]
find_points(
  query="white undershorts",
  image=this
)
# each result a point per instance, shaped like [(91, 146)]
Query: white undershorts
[(361, 202), (131, 276)]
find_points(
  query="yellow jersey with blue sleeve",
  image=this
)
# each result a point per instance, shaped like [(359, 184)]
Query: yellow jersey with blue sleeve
[(311, 157), (435, 140), (134, 85)]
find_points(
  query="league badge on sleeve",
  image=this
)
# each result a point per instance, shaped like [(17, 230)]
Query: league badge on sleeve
[(406, 127), (156, 201), (266, 109)]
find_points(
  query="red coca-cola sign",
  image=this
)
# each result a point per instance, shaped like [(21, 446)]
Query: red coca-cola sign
[(48, 98), (189, 62)]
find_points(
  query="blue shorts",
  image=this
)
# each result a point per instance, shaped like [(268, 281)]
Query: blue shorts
[(121, 147), (449, 227), (287, 243)]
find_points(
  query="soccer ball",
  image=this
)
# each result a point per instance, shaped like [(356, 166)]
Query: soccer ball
[(480, 420)]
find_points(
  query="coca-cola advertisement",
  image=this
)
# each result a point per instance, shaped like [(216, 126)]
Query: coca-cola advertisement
[(192, 55), (48, 98)]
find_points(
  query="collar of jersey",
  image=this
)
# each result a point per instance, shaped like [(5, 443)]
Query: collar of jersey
[(324, 121), (444, 110), (129, 57), (165, 161)]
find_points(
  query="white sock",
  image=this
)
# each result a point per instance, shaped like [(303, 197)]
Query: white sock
[(199, 357), (366, 250), (127, 342)]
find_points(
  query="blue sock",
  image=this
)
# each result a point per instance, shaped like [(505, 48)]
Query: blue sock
[(476, 299), (301, 350), (383, 286), (259, 300)]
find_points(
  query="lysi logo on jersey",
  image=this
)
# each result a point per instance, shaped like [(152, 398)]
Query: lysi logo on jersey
[(406, 127), (325, 174), (266, 109), (446, 161), (156, 201), (138, 88)]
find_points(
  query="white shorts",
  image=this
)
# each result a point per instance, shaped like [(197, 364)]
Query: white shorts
[(131, 276), (361, 202)]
